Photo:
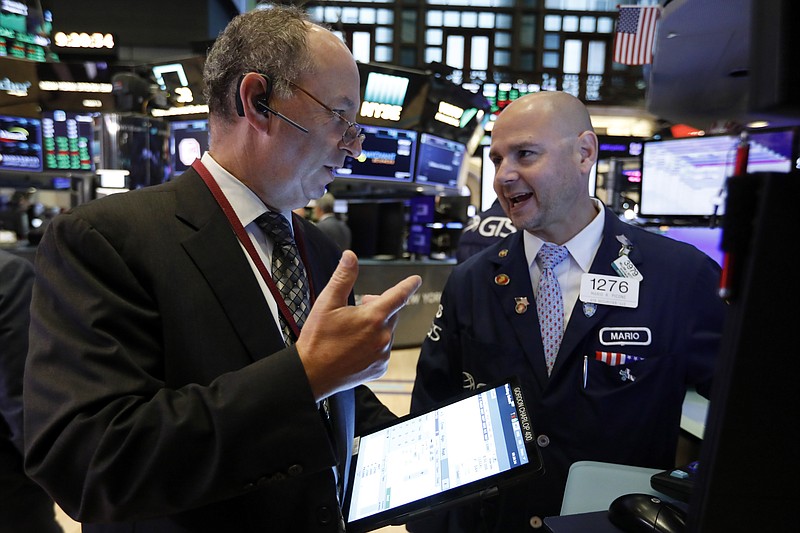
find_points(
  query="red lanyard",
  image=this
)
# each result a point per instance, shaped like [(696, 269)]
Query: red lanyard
[(244, 238)]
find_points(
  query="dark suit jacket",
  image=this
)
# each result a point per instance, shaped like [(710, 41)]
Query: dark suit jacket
[(483, 230), (159, 394), (24, 506), (337, 230), (620, 417)]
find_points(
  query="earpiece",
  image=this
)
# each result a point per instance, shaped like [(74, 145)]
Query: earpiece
[(261, 102)]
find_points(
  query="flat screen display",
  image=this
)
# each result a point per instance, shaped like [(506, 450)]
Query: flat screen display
[(500, 95), (445, 455), (67, 139), (188, 141), (422, 210), (439, 161), (392, 96), (421, 213), (20, 144), (686, 177), (387, 154), (419, 239)]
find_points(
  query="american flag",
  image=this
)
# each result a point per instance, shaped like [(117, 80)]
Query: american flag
[(636, 30), (616, 358)]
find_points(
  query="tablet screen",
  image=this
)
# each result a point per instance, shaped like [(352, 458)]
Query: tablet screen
[(449, 454)]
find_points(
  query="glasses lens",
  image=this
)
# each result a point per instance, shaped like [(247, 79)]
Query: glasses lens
[(353, 132)]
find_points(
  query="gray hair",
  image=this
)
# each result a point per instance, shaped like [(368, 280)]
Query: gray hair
[(271, 41)]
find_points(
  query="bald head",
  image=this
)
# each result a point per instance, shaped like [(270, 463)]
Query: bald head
[(564, 113)]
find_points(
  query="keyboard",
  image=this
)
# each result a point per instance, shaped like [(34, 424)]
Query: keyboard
[(676, 483)]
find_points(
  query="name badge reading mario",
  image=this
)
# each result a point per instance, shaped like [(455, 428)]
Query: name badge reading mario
[(609, 290)]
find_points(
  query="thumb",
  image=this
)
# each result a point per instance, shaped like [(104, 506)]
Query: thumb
[(336, 292)]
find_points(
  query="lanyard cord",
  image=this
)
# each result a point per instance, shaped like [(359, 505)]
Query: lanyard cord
[(244, 239)]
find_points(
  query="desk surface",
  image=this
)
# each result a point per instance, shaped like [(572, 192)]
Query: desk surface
[(592, 486), (596, 522)]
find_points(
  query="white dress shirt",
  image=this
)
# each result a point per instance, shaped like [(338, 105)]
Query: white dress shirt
[(582, 249)]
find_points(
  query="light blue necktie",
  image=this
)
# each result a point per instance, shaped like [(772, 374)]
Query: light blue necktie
[(549, 303)]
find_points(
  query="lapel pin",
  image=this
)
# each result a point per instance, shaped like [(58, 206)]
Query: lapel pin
[(522, 304), (589, 309), (501, 279)]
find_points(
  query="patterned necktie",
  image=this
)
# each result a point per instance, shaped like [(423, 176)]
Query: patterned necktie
[(290, 277), (549, 304), (287, 270)]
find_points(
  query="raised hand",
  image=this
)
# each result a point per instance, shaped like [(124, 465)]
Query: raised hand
[(343, 346)]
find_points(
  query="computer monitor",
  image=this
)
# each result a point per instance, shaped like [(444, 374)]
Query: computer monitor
[(67, 140), (500, 95), (188, 141), (421, 215), (387, 154), (685, 178), (439, 161), (419, 239), (488, 195), (20, 144), (422, 210), (138, 144), (392, 96)]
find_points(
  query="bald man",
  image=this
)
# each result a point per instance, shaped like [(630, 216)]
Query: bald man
[(636, 319)]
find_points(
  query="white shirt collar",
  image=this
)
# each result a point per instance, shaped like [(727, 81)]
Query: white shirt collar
[(245, 203), (582, 247)]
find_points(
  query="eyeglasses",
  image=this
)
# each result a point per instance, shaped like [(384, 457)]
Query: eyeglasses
[(354, 131)]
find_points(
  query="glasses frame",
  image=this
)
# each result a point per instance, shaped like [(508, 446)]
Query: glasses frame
[(356, 128)]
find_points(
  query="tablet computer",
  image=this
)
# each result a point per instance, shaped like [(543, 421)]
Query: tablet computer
[(461, 450)]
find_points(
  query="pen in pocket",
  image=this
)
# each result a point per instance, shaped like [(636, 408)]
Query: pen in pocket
[(585, 369)]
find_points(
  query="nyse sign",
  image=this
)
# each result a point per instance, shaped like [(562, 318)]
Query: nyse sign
[(381, 111)]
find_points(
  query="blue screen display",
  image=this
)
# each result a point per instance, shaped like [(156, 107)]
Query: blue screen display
[(387, 154)]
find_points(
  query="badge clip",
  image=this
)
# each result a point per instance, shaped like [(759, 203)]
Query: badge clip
[(626, 247)]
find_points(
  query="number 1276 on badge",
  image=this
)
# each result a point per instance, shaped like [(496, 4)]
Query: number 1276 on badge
[(609, 290)]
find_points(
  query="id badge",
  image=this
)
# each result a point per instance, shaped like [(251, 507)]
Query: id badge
[(610, 290), (623, 266)]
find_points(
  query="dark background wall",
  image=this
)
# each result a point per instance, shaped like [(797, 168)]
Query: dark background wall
[(145, 24)]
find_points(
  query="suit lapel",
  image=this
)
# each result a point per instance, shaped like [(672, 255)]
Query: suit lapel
[(215, 250), (318, 271), (510, 282), (581, 322)]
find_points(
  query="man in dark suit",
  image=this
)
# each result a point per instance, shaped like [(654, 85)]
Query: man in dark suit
[(483, 230), (640, 319), (168, 387), (336, 229), (24, 506)]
